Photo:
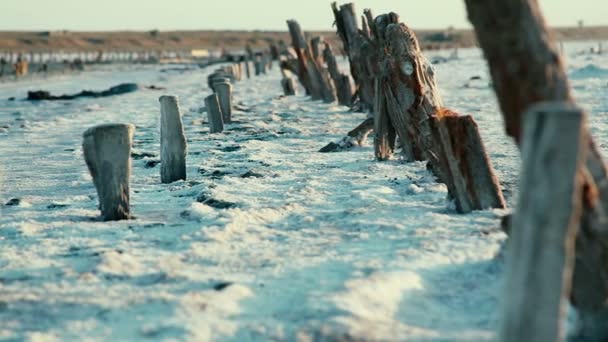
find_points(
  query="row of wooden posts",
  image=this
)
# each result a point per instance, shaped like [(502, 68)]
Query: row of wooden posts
[(564, 183), (93, 56), (396, 84), (558, 249), (107, 148)]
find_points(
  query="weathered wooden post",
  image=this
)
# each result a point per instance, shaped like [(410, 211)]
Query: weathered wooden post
[(224, 95), (289, 86), (107, 153), (172, 141), (524, 74), (344, 89), (247, 68), (214, 114), (385, 135), (316, 47), (260, 67), (358, 50), (546, 220), (312, 75)]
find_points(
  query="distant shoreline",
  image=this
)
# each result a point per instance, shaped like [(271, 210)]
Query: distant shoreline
[(126, 41)]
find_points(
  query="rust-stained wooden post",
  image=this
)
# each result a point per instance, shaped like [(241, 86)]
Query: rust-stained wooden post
[(107, 153), (545, 221), (247, 67), (173, 145), (214, 114), (450, 143)]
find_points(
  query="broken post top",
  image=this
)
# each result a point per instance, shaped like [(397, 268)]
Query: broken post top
[(168, 99), (400, 39), (409, 66), (381, 23), (108, 128), (297, 36)]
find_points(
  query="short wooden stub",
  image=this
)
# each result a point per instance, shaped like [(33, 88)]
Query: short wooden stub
[(172, 141), (224, 95), (289, 86), (545, 223), (107, 153), (466, 167), (214, 114)]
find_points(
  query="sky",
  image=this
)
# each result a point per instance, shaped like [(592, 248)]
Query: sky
[(101, 15)]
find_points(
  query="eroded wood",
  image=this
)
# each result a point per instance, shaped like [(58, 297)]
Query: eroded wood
[(107, 153), (173, 147), (545, 223)]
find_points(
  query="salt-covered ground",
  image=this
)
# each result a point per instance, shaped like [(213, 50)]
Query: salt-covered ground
[(317, 246)]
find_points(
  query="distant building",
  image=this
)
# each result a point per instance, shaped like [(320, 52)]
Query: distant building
[(200, 53)]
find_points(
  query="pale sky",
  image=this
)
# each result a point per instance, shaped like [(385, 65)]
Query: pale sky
[(93, 15)]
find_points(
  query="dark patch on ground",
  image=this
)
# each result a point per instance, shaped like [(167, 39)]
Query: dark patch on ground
[(216, 174), (222, 285), (214, 203), (56, 206), (251, 174), (141, 155), (151, 163), (230, 148), (13, 202)]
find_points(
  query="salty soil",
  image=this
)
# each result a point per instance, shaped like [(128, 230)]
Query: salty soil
[(267, 239)]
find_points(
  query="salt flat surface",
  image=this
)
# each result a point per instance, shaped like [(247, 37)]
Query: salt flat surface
[(318, 247)]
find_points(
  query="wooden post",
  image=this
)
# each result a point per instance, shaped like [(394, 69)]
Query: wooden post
[(172, 141), (107, 153), (259, 66), (359, 52), (545, 223), (247, 67), (469, 174), (450, 143), (311, 74), (289, 86), (524, 74), (316, 48), (218, 76), (384, 139), (344, 88), (214, 114), (224, 95)]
